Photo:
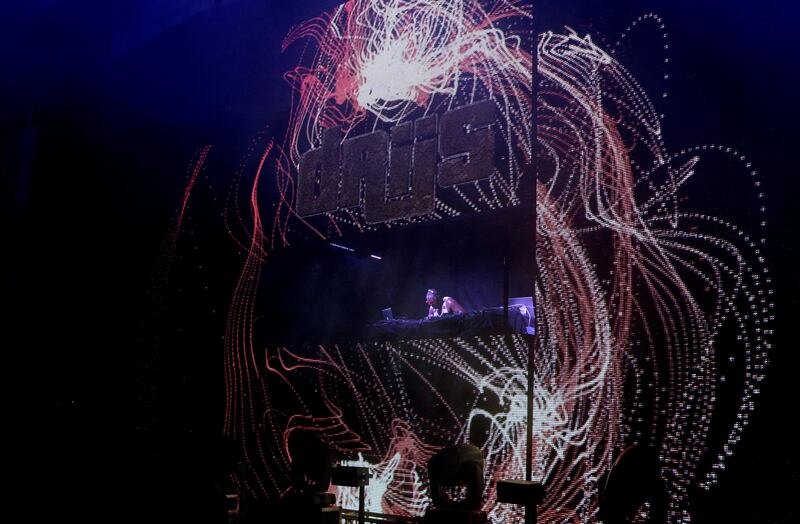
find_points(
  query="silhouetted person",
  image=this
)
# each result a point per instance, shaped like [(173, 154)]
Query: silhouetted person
[(448, 304), (460, 465), (633, 481), (311, 462)]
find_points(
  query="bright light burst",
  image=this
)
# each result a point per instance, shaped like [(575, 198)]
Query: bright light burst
[(388, 57), (376, 63)]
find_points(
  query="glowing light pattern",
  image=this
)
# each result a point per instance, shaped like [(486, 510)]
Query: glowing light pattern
[(635, 297), (639, 291), (378, 62)]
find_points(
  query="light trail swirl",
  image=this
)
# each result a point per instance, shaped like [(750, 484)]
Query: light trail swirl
[(641, 300), (377, 62)]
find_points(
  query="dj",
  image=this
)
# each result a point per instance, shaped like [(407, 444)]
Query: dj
[(449, 304)]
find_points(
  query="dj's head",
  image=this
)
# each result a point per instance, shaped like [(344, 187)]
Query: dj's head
[(432, 297)]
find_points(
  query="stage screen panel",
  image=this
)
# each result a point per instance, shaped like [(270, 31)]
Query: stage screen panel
[(386, 303)]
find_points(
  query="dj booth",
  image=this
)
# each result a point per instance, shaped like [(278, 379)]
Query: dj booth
[(475, 323)]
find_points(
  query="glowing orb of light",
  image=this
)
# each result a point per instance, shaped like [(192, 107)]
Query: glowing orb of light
[(393, 77)]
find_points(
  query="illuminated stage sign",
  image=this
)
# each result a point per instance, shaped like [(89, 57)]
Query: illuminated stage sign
[(394, 175), (406, 112)]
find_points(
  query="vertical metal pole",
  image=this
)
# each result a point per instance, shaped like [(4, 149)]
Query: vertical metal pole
[(530, 511), (361, 496), (530, 514), (506, 272), (531, 342)]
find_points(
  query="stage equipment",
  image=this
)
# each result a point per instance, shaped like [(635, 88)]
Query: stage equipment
[(525, 493), (633, 490), (356, 477), (311, 466), (456, 466)]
